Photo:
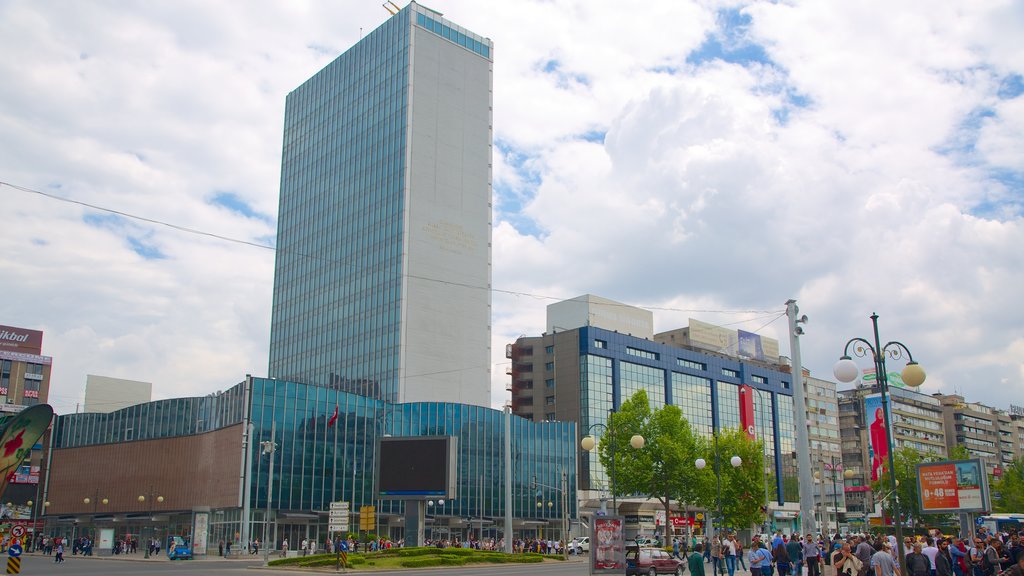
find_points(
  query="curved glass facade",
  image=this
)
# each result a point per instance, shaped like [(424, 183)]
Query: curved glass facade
[(318, 461)]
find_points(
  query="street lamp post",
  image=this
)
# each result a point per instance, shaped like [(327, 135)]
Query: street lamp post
[(152, 498), (269, 447), (95, 501), (913, 375), (563, 489), (734, 461), (836, 469), (589, 443)]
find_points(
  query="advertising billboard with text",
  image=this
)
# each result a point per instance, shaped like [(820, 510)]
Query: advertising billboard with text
[(952, 486)]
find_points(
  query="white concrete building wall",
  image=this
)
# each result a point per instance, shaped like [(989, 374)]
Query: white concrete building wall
[(446, 314), (106, 394), (590, 310)]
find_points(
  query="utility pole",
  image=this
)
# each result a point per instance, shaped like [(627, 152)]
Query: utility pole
[(803, 447)]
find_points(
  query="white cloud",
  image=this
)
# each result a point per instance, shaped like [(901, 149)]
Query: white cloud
[(868, 165)]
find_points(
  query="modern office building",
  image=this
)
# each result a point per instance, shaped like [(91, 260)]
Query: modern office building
[(988, 433), (187, 466), (579, 371), (382, 279), (106, 394), (917, 423)]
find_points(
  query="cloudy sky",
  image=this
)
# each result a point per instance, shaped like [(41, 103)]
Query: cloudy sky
[(705, 159)]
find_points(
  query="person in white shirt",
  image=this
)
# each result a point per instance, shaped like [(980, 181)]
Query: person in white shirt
[(931, 551)]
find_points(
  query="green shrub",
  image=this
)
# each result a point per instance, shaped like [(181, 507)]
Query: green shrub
[(433, 561)]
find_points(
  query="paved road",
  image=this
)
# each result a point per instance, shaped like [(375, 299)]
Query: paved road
[(135, 565)]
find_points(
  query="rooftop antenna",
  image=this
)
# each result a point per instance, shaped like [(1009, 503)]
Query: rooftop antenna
[(392, 9)]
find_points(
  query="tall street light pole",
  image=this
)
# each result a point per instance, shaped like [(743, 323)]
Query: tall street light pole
[(268, 448), (913, 375)]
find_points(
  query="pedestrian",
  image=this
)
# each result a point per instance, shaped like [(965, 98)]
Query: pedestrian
[(696, 561), (675, 549), (782, 561), (845, 562), (729, 551), (760, 559), (917, 562), (60, 553), (796, 553), (943, 560), (811, 556), (882, 562), (220, 548)]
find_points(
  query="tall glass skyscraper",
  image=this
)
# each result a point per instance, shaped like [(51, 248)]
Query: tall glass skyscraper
[(382, 280)]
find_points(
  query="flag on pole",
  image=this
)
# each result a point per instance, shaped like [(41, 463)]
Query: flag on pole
[(333, 418)]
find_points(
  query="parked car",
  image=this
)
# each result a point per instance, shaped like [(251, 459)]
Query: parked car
[(581, 544), (652, 561), (647, 541), (178, 548)]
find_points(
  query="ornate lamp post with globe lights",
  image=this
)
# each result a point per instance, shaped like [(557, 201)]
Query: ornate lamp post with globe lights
[(836, 469), (589, 443), (153, 499), (913, 375), (735, 462)]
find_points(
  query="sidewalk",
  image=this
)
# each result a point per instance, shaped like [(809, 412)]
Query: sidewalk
[(161, 557)]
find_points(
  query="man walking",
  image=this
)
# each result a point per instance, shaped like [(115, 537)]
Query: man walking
[(811, 556), (696, 561)]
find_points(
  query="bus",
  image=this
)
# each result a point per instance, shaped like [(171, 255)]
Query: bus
[(1001, 522)]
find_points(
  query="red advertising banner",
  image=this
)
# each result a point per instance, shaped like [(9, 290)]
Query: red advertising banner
[(681, 521), (13, 339), (747, 411)]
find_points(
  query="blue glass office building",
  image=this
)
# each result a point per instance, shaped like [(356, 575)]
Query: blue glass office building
[(211, 476), (581, 374), (383, 267)]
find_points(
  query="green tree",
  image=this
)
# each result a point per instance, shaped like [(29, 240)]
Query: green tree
[(743, 486), (959, 452), (906, 461), (664, 468), (1008, 490)]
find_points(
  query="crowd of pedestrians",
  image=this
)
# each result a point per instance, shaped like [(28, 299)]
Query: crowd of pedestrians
[(861, 555)]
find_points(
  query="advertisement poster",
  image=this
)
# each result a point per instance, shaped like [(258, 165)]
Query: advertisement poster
[(201, 531), (951, 486), (878, 436), (608, 546)]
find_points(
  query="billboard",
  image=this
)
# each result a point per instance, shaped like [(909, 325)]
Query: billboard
[(750, 345), (416, 467), (952, 486), (608, 545), (13, 339), (747, 411), (878, 435)]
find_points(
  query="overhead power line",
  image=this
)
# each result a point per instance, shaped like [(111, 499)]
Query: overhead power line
[(275, 249)]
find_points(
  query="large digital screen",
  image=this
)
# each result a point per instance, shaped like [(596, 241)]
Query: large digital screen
[(416, 467)]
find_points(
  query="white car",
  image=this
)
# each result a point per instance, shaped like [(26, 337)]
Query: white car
[(581, 544)]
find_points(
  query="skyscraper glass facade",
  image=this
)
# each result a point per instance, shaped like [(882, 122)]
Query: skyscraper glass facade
[(382, 277)]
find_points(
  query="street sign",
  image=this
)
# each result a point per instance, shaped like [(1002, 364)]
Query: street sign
[(14, 550), (18, 531), (339, 505)]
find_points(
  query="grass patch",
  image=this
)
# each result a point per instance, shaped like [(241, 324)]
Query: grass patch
[(421, 557)]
